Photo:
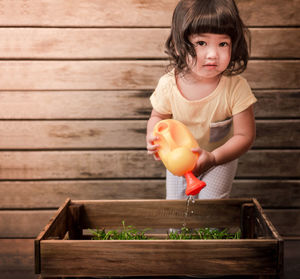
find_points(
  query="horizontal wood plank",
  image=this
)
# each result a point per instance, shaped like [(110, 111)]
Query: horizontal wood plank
[(160, 214), (130, 164), (23, 223), (72, 134), (264, 48), (277, 104), (120, 104), (291, 259), (87, 43), (16, 259), (56, 87), (142, 13), (157, 258), (268, 13), (78, 14), (286, 221), (80, 75), (260, 75), (104, 43), (269, 163), (120, 134), (29, 223), (277, 193), (277, 134), (102, 75), (51, 194), (75, 105)]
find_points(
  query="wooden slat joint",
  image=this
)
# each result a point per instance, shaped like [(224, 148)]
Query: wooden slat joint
[(74, 221), (37, 256), (247, 221)]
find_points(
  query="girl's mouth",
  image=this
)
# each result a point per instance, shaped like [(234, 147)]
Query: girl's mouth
[(210, 66)]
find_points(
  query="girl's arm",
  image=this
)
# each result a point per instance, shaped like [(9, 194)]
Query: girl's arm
[(154, 118), (240, 143)]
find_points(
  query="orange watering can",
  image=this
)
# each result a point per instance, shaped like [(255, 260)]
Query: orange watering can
[(175, 143)]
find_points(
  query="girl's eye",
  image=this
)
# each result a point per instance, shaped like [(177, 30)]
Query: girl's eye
[(201, 43), (223, 44)]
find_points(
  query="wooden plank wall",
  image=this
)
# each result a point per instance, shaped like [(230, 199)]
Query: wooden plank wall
[(75, 81)]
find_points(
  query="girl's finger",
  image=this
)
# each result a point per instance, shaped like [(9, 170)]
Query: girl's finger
[(196, 150), (152, 138), (152, 147)]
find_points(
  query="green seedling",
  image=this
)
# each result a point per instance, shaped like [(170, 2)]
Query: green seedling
[(205, 233), (131, 233), (127, 233)]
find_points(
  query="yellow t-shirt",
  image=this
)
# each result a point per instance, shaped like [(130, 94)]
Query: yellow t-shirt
[(209, 119)]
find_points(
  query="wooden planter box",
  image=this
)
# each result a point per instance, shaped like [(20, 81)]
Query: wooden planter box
[(63, 250)]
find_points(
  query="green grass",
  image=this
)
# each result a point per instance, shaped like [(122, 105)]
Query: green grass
[(203, 233), (127, 233), (131, 233)]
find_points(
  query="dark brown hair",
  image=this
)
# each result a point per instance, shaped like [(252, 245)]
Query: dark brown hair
[(207, 16)]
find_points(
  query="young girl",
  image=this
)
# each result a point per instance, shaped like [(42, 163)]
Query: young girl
[(208, 50)]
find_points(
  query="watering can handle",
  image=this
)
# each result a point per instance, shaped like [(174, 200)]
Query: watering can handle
[(163, 131)]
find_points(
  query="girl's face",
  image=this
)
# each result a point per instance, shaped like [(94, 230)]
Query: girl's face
[(213, 53)]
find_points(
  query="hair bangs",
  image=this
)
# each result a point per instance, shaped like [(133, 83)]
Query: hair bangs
[(211, 20)]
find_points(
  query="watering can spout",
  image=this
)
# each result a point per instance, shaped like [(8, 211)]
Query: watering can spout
[(194, 185)]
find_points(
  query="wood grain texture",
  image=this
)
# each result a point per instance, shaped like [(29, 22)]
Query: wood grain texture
[(111, 213), (291, 259), (51, 194), (29, 223), (256, 162), (269, 13), (75, 104), (19, 263), (119, 134), (277, 104), (102, 75), (86, 81), (120, 104), (80, 75), (130, 164), (273, 46), (154, 258), (23, 224), (74, 134), (277, 134), (104, 43), (132, 13), (92, 13), (279, 193), (160, 213), (16, 259), (83, 43), (287, 221)]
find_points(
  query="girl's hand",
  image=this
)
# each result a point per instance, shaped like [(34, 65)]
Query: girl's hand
[(151, 147), (205, 161)]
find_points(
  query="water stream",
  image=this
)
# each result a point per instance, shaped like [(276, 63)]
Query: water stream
[(188, 212)]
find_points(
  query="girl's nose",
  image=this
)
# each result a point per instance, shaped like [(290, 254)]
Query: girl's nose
[(211, 52)]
